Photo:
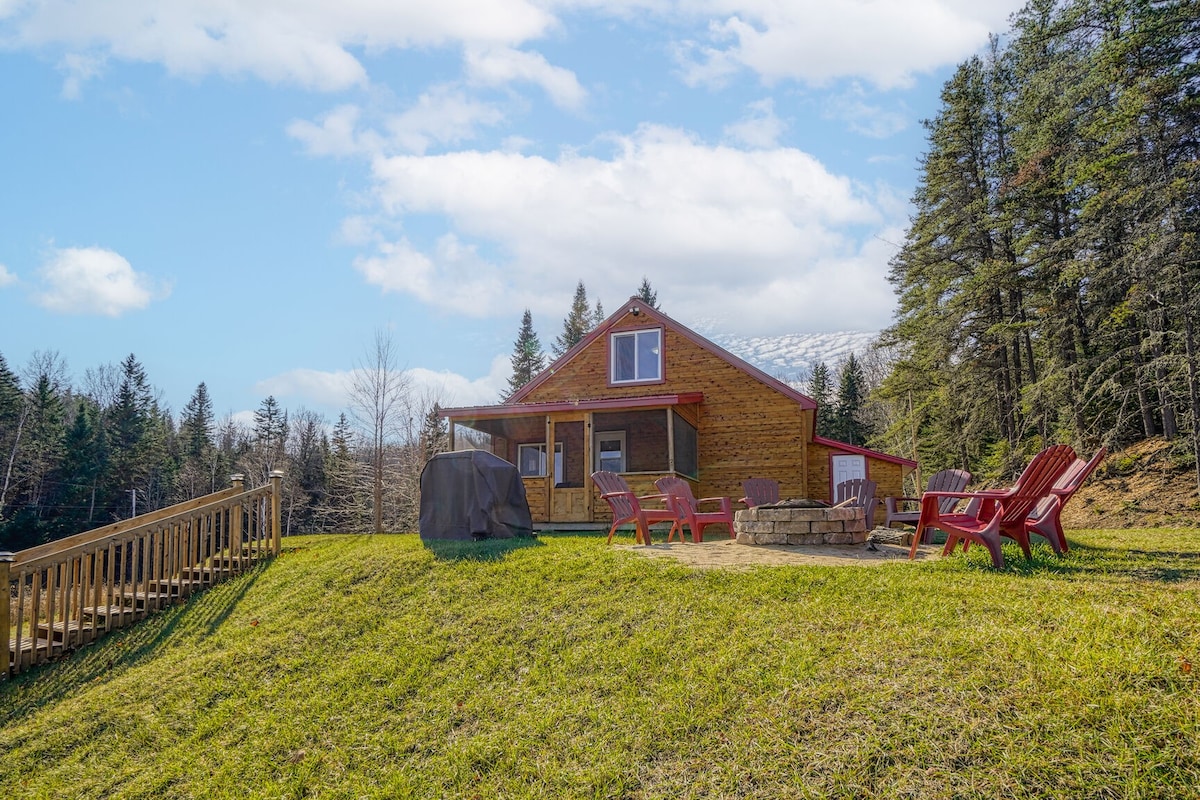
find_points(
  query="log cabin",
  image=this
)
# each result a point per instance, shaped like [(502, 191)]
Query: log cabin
[(644, 396)]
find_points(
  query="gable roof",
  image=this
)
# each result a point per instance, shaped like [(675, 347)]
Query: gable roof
[(637, 306)]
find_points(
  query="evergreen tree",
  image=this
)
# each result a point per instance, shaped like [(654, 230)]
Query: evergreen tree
[(435, 434), (848, 424), (127, 424), (345, 509), (577, 323), (270, 439), (820, 389), (12, 418), (196, 427), (527, 359), (647, 295), (598, 315), (79, 471)]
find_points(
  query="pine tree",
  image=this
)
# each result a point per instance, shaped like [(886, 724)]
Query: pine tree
[(196, 427), (848, 425), (527, 359), (647, 295), (820, 389), (577, 323), (435, 434), (598, 315)]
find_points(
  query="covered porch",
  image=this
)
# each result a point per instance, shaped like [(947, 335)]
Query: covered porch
[(557, 445)]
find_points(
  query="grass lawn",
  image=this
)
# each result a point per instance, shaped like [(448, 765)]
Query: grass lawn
[(362, 666)]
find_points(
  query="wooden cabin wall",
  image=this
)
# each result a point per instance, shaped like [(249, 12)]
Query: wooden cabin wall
[(888, 476), (746, 429)]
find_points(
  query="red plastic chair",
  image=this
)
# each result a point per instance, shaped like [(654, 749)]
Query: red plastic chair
[(948, 480), (627, 507), (759, 492), (998, 513), (1045, 520), (689, 507)]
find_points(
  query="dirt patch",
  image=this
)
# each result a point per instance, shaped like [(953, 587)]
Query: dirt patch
[(728, 554), (1151, 484)]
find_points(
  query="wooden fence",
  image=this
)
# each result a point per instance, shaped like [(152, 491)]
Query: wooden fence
[(64, 594)]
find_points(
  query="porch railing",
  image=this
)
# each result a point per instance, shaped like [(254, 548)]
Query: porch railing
[(64, 594)]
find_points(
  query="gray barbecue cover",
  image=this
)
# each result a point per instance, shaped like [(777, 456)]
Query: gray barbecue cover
[(472, 494)]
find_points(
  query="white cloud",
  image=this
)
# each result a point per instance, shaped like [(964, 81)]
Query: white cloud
[(6, 277), (884, 42), (722, 223), (319, 45), (279, 41), (503, 65), (330, 391), (851, 107), (92, 280), (759, 128), (441, 116)]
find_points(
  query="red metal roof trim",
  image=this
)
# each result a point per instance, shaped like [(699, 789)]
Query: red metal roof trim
[(862, 451), (654, 314), (511, 409)]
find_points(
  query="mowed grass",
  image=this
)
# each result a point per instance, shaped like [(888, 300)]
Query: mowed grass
[(360, 666)]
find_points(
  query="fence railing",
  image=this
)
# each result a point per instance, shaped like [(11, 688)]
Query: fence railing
[(63, 594)]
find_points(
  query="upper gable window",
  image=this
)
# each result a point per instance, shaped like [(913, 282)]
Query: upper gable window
[(636, 356)]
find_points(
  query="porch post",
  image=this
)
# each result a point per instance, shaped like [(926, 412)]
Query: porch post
[(276, 500), (549, 469), (235, 524), (451, 435), (671, 440), (6, 558)]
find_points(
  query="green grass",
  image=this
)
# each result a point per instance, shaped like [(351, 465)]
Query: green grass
[(373, 667)]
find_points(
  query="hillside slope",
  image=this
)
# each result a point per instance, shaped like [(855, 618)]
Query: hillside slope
[(1145, 485)]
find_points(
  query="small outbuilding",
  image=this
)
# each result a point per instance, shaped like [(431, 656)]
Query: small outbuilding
[(472, 494)]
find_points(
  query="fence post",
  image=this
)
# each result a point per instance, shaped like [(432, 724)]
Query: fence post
[(276, 531), (235, 525), (6, 558)]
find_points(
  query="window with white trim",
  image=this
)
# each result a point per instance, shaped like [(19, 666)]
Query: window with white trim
[(635, 356), (610, 451), (531, 460)]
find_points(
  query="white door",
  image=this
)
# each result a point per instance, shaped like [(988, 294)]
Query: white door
[(847, 467)]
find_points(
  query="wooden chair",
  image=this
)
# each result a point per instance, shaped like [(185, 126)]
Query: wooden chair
[(998, 513), (862, 491), (1045, 520), (948, 480), (759, 492), (689, 507), (627, 507)]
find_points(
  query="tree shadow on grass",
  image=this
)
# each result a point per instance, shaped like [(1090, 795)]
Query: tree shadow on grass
[(1083, 560), (481, 550), (122, 648)]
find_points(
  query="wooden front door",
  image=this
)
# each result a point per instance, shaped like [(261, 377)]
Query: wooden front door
[(570, 496)]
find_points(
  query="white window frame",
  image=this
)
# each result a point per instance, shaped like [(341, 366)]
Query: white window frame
[(541, 448), (603, 436), (637, 366)]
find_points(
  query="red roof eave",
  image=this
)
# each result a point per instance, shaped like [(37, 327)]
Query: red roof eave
[(862, 451), (549, 407)]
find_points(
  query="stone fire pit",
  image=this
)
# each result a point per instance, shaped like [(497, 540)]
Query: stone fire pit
[(781, 524)]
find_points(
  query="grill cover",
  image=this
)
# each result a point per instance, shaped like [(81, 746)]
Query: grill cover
[(472, 494)]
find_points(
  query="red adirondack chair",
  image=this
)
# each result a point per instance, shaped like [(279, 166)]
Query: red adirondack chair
[(862, 491), (689, 507), (759, 492), (1045, 520), (948, 480), (999, 513), (627, 507)]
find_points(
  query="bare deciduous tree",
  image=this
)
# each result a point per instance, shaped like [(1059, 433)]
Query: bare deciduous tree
[(379, 396)]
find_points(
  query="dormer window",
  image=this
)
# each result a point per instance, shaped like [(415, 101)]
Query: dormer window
[(636, 356)]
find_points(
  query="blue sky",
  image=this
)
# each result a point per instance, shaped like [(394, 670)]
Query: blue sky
[(243, 193)]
